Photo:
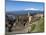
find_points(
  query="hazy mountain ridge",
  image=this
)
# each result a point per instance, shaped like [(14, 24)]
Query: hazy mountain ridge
[(24, 12)]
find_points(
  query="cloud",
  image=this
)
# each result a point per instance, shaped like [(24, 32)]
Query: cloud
[(29, 0), (31, 9)]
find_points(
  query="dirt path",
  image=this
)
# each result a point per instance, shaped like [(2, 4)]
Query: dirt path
[(20, 28)]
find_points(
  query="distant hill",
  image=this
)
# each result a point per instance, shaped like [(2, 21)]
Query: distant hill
[(24, 12)]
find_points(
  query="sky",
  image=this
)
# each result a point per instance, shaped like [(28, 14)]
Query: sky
[(13, 5)]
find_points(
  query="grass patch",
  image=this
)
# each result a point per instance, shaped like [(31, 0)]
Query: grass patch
[(39, 25), (33, 27)]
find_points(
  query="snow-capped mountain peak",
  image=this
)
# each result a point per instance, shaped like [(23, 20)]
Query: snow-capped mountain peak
[(31, 9)]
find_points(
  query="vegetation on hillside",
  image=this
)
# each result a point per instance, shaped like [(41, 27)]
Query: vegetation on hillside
[(37, 26)]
